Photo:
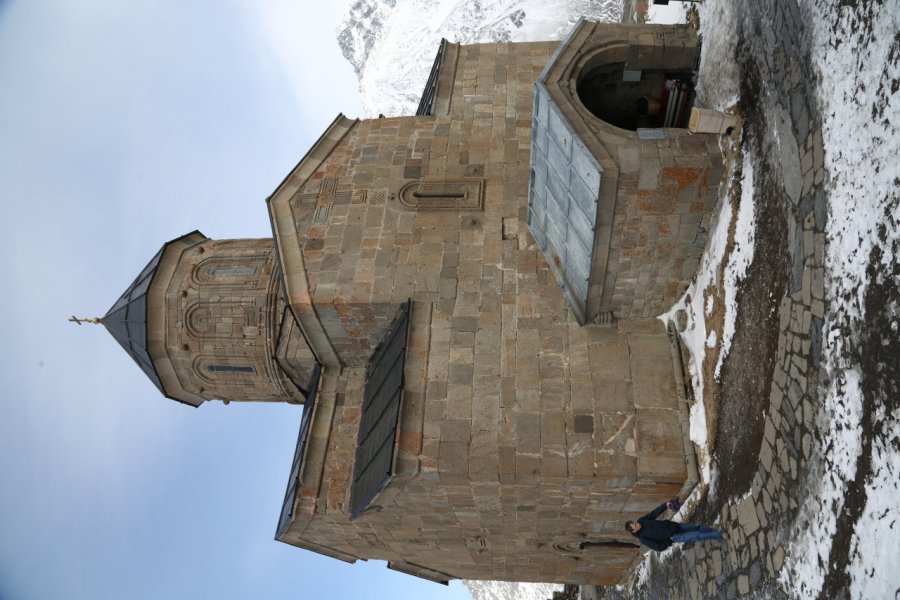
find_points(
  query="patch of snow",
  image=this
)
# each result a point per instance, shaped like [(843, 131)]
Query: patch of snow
[(812, 545), (873, 574), (740, 258), (504, 590), (718, 86), (711, 339), (857, 62), (642, 574), (661, 14)]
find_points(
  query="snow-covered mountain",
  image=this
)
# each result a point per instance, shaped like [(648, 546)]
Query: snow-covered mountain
[(503, 590), (392, 43)]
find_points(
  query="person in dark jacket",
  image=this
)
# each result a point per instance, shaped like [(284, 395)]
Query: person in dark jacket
[(659, 535)]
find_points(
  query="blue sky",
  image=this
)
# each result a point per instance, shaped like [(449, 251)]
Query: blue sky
[(123, 126)]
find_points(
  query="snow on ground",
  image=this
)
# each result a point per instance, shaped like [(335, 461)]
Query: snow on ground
[(812, 545), (875, 573), (661, 14), (858, 60), (718, 86), (504, 590), (740, 258)]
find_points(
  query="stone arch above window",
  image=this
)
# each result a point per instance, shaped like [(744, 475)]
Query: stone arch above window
[(197, 321), (458, 195), (222, 270), (223, 320), (636, 98)]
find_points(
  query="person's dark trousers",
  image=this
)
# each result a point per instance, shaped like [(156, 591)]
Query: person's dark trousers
[(695, 533)]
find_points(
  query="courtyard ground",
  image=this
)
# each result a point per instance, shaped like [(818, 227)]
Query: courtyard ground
[(792, 324)]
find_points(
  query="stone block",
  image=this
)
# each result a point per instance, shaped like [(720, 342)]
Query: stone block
[(580, 457), (584, 424), (614, 433), (507, 464), (659, 442), (460, 374), (554, 465), (657, 346), (553, 429), (747, 517), (662, 467), (456, 430), (528, 432), (454, 457), (464, 324), (612, 395), (648, 175), (610, 361), (528, 468), (484, 468), (653, 382)]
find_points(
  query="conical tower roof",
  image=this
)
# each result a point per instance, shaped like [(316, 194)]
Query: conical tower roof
[(127, 320)]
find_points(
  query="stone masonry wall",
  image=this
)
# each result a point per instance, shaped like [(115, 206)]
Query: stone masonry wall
[(666, 194), (521, 432)]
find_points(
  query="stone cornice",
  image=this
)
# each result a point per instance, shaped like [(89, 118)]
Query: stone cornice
[(289, 247)]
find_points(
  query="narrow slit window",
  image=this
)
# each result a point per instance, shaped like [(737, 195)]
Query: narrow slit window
[(232, 271), (229, 369)]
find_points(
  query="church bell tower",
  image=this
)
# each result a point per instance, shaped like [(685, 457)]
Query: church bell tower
[(206, 320)]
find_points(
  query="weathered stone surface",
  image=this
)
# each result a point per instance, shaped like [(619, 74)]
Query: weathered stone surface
[(778, 558), (746, 513)]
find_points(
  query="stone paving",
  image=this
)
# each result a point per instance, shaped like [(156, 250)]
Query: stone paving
[(782, 134)]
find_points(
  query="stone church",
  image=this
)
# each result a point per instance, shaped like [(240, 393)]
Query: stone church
[(464, 300)]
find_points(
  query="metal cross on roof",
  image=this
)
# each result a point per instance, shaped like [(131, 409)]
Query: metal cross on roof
[(94, 320)]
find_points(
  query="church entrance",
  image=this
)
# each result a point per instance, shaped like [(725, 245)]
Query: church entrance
[(632, 99)]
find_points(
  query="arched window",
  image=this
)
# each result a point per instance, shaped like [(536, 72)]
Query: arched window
[(228, 270)]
